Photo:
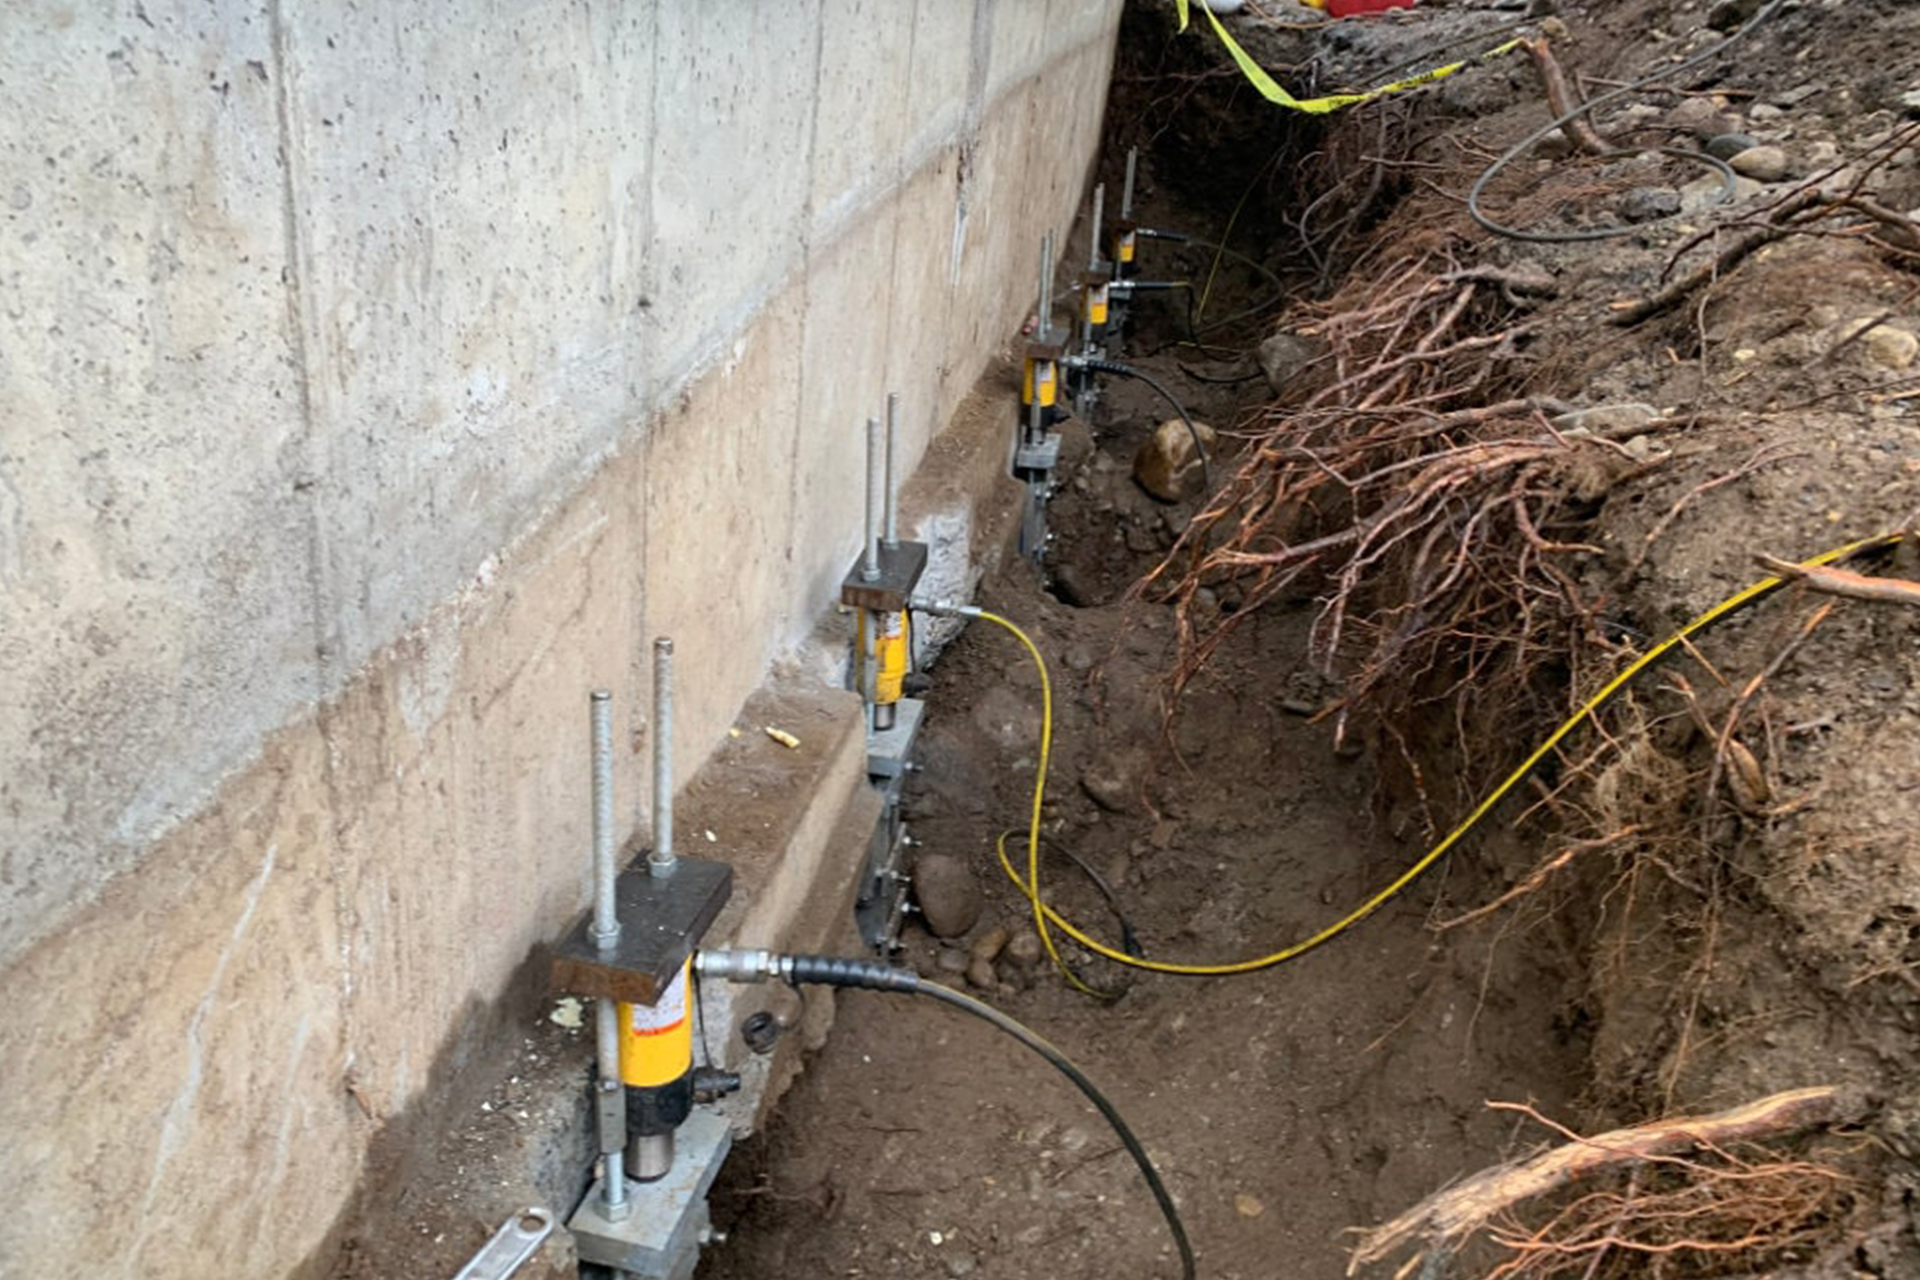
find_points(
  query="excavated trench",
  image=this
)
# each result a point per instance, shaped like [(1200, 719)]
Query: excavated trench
[(1283, 1107), (1703, 899)]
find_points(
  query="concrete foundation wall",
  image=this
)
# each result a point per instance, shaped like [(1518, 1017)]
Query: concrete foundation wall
[(374, 382)]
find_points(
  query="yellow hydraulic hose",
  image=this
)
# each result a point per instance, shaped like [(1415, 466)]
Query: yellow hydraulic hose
[(1031, 885), (1043, 914)]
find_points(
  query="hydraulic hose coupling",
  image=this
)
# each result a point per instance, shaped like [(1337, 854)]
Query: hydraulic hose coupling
[(1127, 288), (945, 608), (826, 971), (1094, 364)]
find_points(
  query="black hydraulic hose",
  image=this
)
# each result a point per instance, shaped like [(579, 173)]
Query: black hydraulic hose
[(871, 975), (1525, 144), (1129, 940), (1193, 432)]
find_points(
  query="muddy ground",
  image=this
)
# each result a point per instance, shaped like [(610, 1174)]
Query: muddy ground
[(1745, 935)]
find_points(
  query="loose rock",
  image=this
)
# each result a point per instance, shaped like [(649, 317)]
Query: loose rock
[(1608, 417), (1762, 164), (951, 960), (1071, 587), (1891, 348), (949, 897), (1109, 780), (1703, 193), (1644, 204), (1699, 117), (1167, 465), (1024, 949), (988, 945), (1285, 355), (980, 974)]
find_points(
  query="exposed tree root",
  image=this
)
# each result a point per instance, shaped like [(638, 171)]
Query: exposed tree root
[(1840, 582), (1402, 465), (1693, 1185)]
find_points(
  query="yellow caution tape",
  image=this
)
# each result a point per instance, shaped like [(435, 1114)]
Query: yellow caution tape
[(1270, 88)]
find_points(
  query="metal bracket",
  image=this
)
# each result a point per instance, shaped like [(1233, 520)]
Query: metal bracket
[(901, 564), (1033, 460), (660, 1238), (880, 900), (663, 918)]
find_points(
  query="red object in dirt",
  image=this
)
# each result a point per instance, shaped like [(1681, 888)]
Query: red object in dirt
[(1354, 8)]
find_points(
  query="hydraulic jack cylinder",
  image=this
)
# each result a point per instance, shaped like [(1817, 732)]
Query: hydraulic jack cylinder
[(656, 1066)]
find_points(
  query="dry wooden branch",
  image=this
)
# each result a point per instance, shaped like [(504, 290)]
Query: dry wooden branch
[(1447, 1218), (1839, 582)]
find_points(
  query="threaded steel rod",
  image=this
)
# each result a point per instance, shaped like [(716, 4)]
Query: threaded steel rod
[(870, 558), (893, 448), (1099, 212), (606, 934), (606, 919), (661, 861)]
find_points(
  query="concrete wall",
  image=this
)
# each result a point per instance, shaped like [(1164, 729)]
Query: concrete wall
[(374, 381)]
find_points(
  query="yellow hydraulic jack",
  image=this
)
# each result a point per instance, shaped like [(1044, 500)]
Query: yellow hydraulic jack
[(1126, 232), (646, 1215), (877, 588), (1096, 289), (1037, 450)]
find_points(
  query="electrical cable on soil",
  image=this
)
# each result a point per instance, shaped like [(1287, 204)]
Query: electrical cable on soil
[(872, 975), (1029, 887), (1729, 180)]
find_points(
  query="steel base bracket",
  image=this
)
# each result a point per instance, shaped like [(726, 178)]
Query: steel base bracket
[(887, 749), (667, 1221), (881, 897), (1039, 456)]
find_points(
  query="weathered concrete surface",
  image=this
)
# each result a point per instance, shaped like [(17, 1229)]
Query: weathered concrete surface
[(374, 383)]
